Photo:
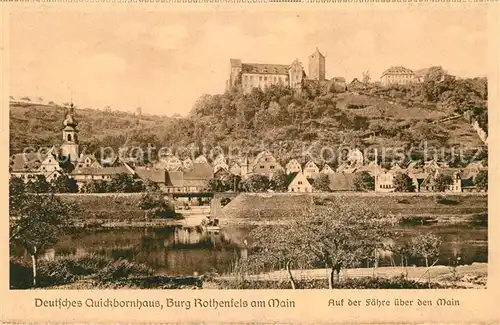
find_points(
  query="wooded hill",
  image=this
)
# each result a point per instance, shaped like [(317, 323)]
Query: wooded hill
[(282, 120)]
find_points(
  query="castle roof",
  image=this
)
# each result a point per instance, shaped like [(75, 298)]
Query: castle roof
[(236, 63), (264, 68), (399, 70), (317, 52)]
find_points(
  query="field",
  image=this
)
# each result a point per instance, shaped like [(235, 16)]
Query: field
[(453, 207)]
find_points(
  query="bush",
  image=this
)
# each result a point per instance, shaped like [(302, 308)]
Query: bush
[(21, 275), (55, 272), (122, 269)]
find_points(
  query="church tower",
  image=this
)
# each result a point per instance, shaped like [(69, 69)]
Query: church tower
[(70, 148), (317, 66)]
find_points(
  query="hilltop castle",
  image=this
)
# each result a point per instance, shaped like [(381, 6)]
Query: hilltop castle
[(260, 75)]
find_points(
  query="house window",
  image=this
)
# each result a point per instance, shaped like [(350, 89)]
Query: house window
[(262, 167), (300, 182), (272, 167), (69, 137)]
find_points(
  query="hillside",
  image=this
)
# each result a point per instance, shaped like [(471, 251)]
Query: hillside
[(281, 120)]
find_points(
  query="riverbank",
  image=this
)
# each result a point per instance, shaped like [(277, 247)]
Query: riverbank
[(409, 208)]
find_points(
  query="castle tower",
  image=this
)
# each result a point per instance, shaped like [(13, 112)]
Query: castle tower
[(70, 147), (317, 66), (235, 68), (296, 75)]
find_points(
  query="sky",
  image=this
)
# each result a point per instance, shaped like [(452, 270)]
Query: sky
[(164, 61)]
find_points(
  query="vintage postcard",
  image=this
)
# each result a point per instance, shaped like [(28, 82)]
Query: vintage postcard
[(235, 163)]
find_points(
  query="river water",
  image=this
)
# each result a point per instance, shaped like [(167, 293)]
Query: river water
[(189, 251)]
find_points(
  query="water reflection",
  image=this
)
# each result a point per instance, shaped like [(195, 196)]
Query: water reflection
[(186, 251)]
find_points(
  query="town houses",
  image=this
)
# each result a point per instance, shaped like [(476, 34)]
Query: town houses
[(183, 174)]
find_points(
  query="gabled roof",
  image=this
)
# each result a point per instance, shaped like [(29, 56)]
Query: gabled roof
[(263, 68), (155, 175), (201, 159), (174, 179), (398, 70), (26, 162), (292, 176), (201, 171), (414, 164), (310, 164), (101, 171)]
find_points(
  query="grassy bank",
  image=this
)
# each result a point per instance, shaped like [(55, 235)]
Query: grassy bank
[(408, 207), (94, 272), (112, 208)]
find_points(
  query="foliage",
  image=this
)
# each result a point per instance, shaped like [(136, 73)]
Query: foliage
[(426, 246), (151, 186), (17, 195), (275, 246), (156, 205), (64, 184), (273, 115), (363, 181), (256, 183), (337, 236), (95, 186), (322, 183), (38, 222), (125, 183), (279, 182), (481, 180), (403, 183), (120, 183), (215, 185), (39, 185), (121, 269), (442, 182)]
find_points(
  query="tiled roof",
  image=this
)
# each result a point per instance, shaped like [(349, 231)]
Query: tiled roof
[(341, 182), (174, 179), (201, 171), (156, 175), (397, 70), (263, 68), (24, 162), (101, 171), (195, 183)]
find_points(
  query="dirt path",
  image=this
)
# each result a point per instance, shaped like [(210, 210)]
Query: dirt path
[(437, 273)]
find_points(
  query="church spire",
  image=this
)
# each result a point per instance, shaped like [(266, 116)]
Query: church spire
[(70, 147)]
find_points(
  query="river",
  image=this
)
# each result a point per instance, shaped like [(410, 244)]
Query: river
[(187, 251)]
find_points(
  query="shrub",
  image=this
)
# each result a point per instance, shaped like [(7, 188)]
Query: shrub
[(122, 269), (21, 275), (55, 272)]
